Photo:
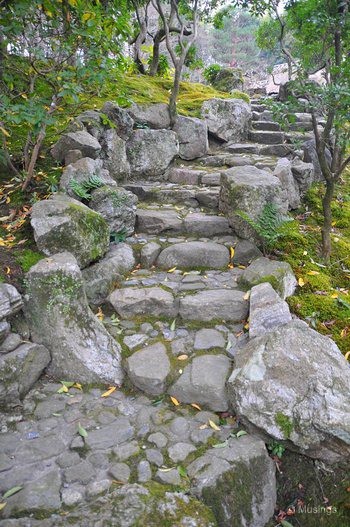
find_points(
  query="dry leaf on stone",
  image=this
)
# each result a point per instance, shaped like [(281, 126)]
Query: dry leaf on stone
[(110, 390), (213, 425), (174, 401)]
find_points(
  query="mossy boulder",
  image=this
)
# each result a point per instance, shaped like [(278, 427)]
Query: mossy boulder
[(227, 119), (228, 79), (59, 317), (292, 385), (63, 224), (278, 274)]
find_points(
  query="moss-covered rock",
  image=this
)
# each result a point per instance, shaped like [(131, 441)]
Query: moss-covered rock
[(63, 224)]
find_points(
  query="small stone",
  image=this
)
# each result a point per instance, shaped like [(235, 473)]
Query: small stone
[(267, 310), (169, 477), (125, 451), (68, 459), (149, 368), (158, 439), (208, 338), (97, 487), (154, 456), (120, 472), (98, 460), (144, 472), (180, 451), (135, 340), (72, 496), (149, 254), (11, 342), (82, 473)]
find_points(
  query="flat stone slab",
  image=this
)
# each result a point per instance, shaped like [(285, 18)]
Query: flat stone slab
[(194, 254), (155, 221), (207, 338), (218, 304), (204, 382), (267, 310), (199, 224), (149, 368), (147, 301)]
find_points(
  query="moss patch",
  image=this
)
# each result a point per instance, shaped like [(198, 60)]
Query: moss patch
[(285, 424)]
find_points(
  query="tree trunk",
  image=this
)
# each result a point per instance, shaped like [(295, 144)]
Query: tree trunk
[(174, 93), (155, 57), (327, 220)]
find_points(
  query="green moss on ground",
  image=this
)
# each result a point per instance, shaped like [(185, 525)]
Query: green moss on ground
[(27, 258)]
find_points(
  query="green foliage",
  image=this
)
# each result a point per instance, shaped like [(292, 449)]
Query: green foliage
[(118, 237), (284, 423), (276, 448), (211, 72), (27, 258), (268, 226), (163, 69), (83, 190), (192, 60)]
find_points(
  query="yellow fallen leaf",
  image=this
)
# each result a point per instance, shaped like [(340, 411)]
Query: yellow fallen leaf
[(5, 132), (100, 314), (241, 267), (232, 252), (230, 266), (344, 333), (312, 273), (172, 270), (301, 282), (335, 295), (7, 270), (174, 401), (246, 325), (165, 469), (77, 385), (246, 296), (182, 357), (213, 425), (347, 355), (110, 390), (2, 505), (196, 406)]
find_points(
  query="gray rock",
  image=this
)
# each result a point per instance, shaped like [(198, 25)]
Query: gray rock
[(72, 156), (279, 274), (192, 134), (117, 206), (63, 224), (248, 190), (97, 487), (283, 171), (168, 477), (134, 301), (148, 369), (154, 456), (219, 476), (144, 472), (206, 339), (310, 156), (126, 450), (89, 121), (114, 155), (10, 301), (150, 152), (304, 174), (81, 140), (11, 342), (216, 304), (208, 198), (59, 317), (120, 118), (120, 472), (152, 115), (68, 459), (180, 451), (194, 254), (19, 370), (185, 175), (100, 278), (199, 224), (149, 254), (158, 439), (111, 435), (203, 381), (82, 171), (4, 330), (292, 384), (245, 252), (266, 137), (82, 473), (227, 119), (134, 341), (71, 495), (156, 221), (267, 310), (212, 179)]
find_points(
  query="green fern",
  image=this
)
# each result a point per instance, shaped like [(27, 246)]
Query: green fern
[(83, 190), (268, 225)]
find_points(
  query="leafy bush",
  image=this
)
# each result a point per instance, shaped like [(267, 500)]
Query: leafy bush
[(211, 72)]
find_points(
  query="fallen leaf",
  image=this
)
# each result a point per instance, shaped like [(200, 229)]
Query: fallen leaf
[(241, 433), (11, 492), (196, 406), (171, 270), (203, 427), (213, 425), (232, 252), (165, 469), (174, 401), (182, 357), (100, 314), (246, 325), (110, 390), (246, 296), (304, 253), (221, 445), (82, 431), (7, 270), (2, 505), (313, 273), (347, 355), (301, 282), (173, 325), (78, 386), (241, 267), (335, 295), (5, 132)]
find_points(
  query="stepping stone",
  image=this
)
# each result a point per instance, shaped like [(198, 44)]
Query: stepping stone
[(194, 254), (266, 125), (203, 382), (245, 252), (151, 301), (206, 339), (208, 198), (206, 225), (211, 179), (279, 274), (149, 368), (155, 221), (185, 176), (214, 304), (267, 310), (266, 137), (243, 148)]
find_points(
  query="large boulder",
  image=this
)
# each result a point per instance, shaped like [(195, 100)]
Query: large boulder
[(192, 134), (292, 384), (81, 171), (63, 224), (227, 119), (151, 115), (19, 370), (228, 79), (117, 206), (81, 140), (237, 481), (150, 152), (114, 154), (283, 171), (122, 122), (194, 254), (101, 278), (279, 274), (245, 192), (59, 317), (204, 382)]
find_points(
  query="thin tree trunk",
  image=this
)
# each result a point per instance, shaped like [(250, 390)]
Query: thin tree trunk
[(174, 94), (327, 220), (155, 57)]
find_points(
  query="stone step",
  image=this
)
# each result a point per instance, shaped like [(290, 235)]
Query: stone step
[(301, 137), (235, 160), (266, 137), (266, 125), (278, 150), (193, 196), (168, 220), (265, 115), (258, 107)]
